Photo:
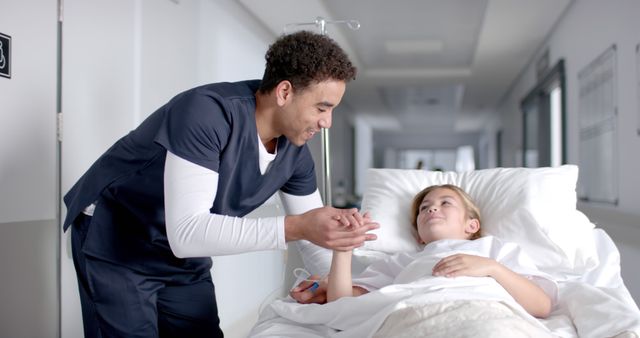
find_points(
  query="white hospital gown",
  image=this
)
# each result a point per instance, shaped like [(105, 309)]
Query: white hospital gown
[(403, 267)]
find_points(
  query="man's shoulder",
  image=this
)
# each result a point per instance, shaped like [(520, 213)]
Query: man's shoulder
[(216, 104), (229, 90)]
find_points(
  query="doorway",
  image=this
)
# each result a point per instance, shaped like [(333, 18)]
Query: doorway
[(544, 121)]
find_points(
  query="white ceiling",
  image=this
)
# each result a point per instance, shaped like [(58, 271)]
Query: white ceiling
[(432, 64)]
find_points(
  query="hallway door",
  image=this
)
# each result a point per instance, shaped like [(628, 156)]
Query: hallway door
[(111, 51)]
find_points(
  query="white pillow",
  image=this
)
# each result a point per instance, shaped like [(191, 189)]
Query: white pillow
[(535, 207)]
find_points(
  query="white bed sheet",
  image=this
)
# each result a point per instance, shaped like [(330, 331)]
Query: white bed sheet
[(595, 304)]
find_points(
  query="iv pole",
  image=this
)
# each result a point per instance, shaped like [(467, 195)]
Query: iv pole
[(321, 23)]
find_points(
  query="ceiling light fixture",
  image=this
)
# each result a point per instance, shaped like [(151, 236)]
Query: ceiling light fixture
[(414, 46)]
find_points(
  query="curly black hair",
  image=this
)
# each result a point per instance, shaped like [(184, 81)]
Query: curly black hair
[(304, 58)]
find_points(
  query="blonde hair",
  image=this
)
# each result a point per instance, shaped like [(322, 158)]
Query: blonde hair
[(472, 211)]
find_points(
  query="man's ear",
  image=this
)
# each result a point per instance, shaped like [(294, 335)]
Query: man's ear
[(473, 226), (283, 91)]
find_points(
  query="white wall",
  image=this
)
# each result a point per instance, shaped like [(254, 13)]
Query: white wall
[(233, 45), (122, 60), (28, 170), (99, 104), (586, 30), (28, 112)]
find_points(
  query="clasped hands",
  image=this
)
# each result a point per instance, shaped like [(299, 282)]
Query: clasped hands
[(336, 229), (331, 228)]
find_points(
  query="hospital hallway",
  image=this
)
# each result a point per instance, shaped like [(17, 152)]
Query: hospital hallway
[(442, 88)]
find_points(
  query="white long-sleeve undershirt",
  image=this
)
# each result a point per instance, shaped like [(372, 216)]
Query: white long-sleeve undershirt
[(193, 231), (316, 259)]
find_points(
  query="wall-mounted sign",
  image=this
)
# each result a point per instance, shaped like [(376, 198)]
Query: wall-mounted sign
[(5, 55), (638, 80)]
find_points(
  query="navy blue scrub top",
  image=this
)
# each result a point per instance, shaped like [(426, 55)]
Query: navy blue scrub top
[(213, 126)]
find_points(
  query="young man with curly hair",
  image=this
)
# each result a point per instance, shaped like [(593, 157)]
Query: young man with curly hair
[(154, 207)]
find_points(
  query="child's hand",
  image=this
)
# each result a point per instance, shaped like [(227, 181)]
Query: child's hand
[(355, 221), (464, 265), (353, 218), (312, 290)]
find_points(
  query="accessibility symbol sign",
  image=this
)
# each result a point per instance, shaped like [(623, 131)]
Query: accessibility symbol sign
[(5, 55)]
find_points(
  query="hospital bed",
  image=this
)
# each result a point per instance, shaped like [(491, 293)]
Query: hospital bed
[(534, 207)]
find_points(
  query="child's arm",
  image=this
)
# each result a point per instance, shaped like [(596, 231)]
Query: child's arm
[(340, 283), (526, 293)]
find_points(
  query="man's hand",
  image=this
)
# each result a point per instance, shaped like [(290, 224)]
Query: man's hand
[(331, 228)]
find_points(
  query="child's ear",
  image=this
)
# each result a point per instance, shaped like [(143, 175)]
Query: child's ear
[(473, 226)]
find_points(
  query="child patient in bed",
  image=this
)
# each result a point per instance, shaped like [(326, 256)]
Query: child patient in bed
[(445, 212), (459, 284), (445, 217)]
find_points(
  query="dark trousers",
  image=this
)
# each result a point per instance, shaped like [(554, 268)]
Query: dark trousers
[(120, 302)]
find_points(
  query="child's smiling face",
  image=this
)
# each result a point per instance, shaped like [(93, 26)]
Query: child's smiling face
[(442, 215)]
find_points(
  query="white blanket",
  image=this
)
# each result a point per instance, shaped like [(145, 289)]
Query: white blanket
[(464, 318), (594, 305)]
